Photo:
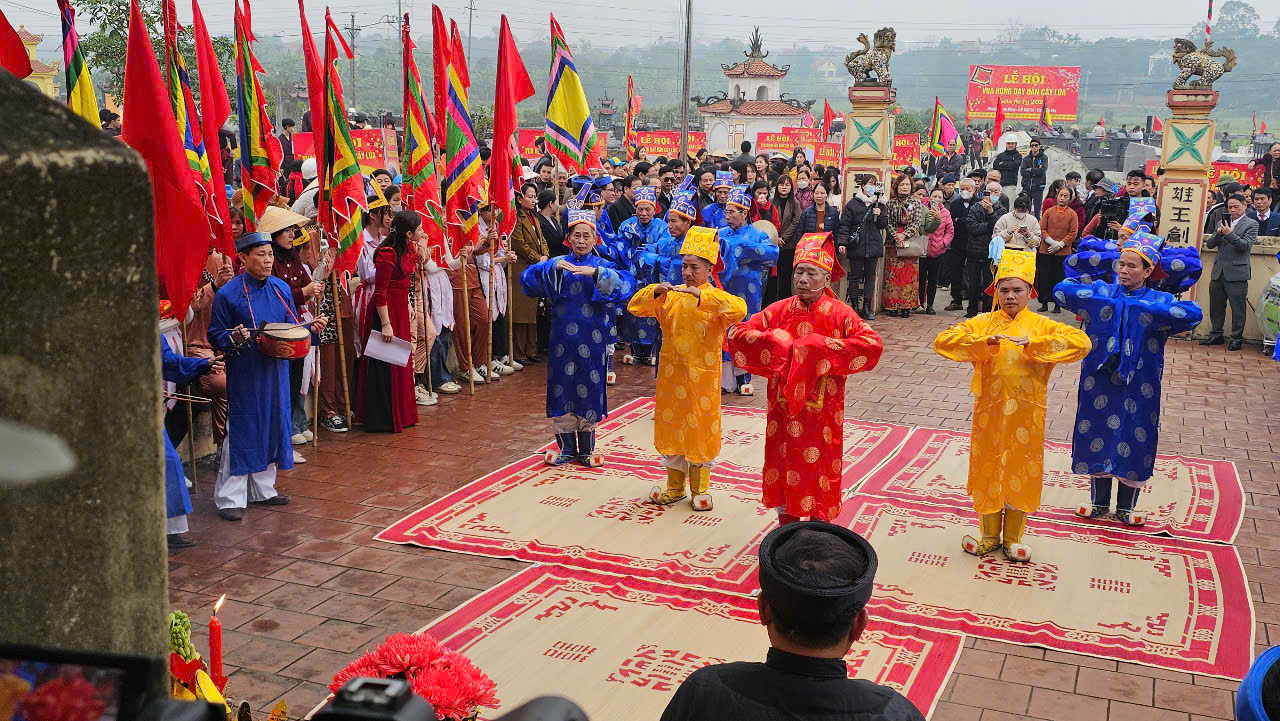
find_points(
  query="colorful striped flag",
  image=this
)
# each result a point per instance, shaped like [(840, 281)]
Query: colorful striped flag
[(342, 198), (462, 177), (80, 96), (260, 153), (421, 187), (183, 103), (1046, 117), (629, 122), (570, 132), (943, 133)]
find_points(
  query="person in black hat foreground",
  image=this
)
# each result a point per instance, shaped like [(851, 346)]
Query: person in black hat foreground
[(815, 581)]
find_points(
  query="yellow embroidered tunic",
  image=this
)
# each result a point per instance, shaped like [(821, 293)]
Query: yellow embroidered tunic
[(1006, 451), (687, 420)]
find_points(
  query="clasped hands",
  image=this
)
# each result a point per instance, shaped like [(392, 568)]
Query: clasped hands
[(1018, 340), (587, 270), (664, 287)]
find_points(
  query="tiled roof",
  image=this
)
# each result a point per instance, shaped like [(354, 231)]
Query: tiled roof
[(754, 68), (40, 66), (27, 37), (751, 107)]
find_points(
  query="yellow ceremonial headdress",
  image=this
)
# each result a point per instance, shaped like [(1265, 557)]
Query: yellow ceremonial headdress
[(1020, 264), (703, 242)]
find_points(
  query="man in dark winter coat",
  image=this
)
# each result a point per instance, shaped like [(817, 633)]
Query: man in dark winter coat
[(957, 253), (1009, 163), (1035, 167), (981, 223), (860, 241)]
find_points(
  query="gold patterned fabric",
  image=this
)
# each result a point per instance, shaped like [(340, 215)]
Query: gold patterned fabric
[(687, 418), (1009, 384)]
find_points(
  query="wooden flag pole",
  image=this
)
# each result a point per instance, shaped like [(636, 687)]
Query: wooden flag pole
[(466, 322), (191, 426), (489, 305), (511, 328)]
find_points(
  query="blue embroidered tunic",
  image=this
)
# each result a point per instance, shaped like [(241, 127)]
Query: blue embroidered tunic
[(580, 321), (1118, 415), (639, 243), (180, 370)]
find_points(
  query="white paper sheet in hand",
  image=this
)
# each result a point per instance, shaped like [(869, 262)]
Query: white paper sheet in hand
[(397, 352)]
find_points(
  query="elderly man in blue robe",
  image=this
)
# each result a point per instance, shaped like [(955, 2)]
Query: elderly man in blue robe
[(582, 288), (747, 254), (258, 404), (1129, 315)]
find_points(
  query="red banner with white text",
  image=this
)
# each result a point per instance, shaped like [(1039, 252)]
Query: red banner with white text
[(1220, 172), (906, 150), (667, 142)]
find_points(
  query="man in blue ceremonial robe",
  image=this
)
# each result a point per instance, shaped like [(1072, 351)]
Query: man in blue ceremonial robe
[(583, 290), (258, 403), (681, 216), (639, 238), (180, 370), (747, 254), (1128, 320), (713, 214)]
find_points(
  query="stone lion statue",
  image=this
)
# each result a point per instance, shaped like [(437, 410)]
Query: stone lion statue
[(873, 59), (1191, 61)]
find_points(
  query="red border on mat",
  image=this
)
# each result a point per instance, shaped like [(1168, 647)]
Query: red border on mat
[(455, 630), (1223, 529), (1234, 605)]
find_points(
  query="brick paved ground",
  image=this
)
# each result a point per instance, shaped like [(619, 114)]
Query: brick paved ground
[(310, 588)]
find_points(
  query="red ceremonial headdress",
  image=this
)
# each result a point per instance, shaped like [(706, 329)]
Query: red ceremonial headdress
[(820, 250)]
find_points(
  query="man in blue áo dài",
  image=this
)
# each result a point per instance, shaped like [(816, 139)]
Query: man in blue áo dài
[(179, 370), (747, 254), (1118, 414), (681, 216), (638, 239), (582, 289), (713, 214), (258, 403)]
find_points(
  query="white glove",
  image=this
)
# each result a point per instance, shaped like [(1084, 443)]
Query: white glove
[(1054, 245)]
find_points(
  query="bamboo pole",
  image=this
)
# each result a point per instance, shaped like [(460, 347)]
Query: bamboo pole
[(489, 302), (191, 426), (511, 328), (466, 322), (342, 351)]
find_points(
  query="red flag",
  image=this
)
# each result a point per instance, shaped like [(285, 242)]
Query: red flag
[(1102, 121), (459, 57), (513, 85), (1156, 125), (215, 108), (1255, 122), (999, 126), (828, 116), (13, 54), (439, 70), (315, 88), (1263, 128), (181, 228)]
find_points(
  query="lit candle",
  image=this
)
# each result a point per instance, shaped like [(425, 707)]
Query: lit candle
[(215, 640)]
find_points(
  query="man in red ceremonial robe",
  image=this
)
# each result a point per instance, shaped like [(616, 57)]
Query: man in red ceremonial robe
[(805, 345)]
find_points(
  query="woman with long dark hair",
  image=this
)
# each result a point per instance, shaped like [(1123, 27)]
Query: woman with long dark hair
[(385, 400), (778, 285)]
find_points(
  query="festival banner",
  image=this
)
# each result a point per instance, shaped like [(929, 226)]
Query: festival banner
[(809, 135), (828, 154), (1220, 172), (1027, 91), (370, 145), (784, 142), (667, 142), (906, 150), (525, 138)]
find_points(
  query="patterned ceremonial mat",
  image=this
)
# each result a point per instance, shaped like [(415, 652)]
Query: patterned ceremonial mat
[(629, 432), (1174, 603), (597, 518), (1186, 498), (619, 648)]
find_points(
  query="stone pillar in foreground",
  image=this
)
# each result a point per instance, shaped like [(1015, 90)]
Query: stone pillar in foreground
[(84, 563), (868, 145)]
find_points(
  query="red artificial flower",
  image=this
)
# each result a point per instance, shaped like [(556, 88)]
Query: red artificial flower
[(443, 677), (60, 700)]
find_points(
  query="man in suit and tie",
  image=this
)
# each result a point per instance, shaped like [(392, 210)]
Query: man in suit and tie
[(1232, 238), (1268, 219)]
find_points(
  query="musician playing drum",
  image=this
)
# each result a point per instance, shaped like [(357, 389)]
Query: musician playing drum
[(258, 404)]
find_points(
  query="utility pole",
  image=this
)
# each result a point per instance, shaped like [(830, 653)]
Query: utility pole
[(684, 86), (471, 9), (351, 91)]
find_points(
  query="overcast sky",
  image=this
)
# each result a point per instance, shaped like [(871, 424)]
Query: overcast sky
[(642, 21)]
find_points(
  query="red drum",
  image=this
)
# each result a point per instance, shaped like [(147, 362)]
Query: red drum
[(284, 340)]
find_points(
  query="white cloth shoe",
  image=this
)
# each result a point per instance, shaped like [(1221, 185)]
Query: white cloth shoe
[(298, 439), (512, 364), (308, 435), (450, 388), (298, 457), (423, 396), (476, 376), (501, 369)]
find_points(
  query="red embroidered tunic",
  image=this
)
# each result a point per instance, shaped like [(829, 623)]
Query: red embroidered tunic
[(806, 351)]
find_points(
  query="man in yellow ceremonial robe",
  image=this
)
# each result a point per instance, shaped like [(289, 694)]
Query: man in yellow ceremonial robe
[(1013, 352), (694, 317)]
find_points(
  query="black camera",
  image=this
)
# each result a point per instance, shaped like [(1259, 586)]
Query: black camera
[(385, 699)]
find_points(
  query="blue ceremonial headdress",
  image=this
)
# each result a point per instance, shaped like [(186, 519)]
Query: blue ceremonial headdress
[(740, 196), (1139, 208), (579, 211), (646, 194), (251, 240), (593, 187), (724, 179), (682, 201), (1147, 245)]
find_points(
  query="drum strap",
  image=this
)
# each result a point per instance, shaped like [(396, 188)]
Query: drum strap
[(283, 302)]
